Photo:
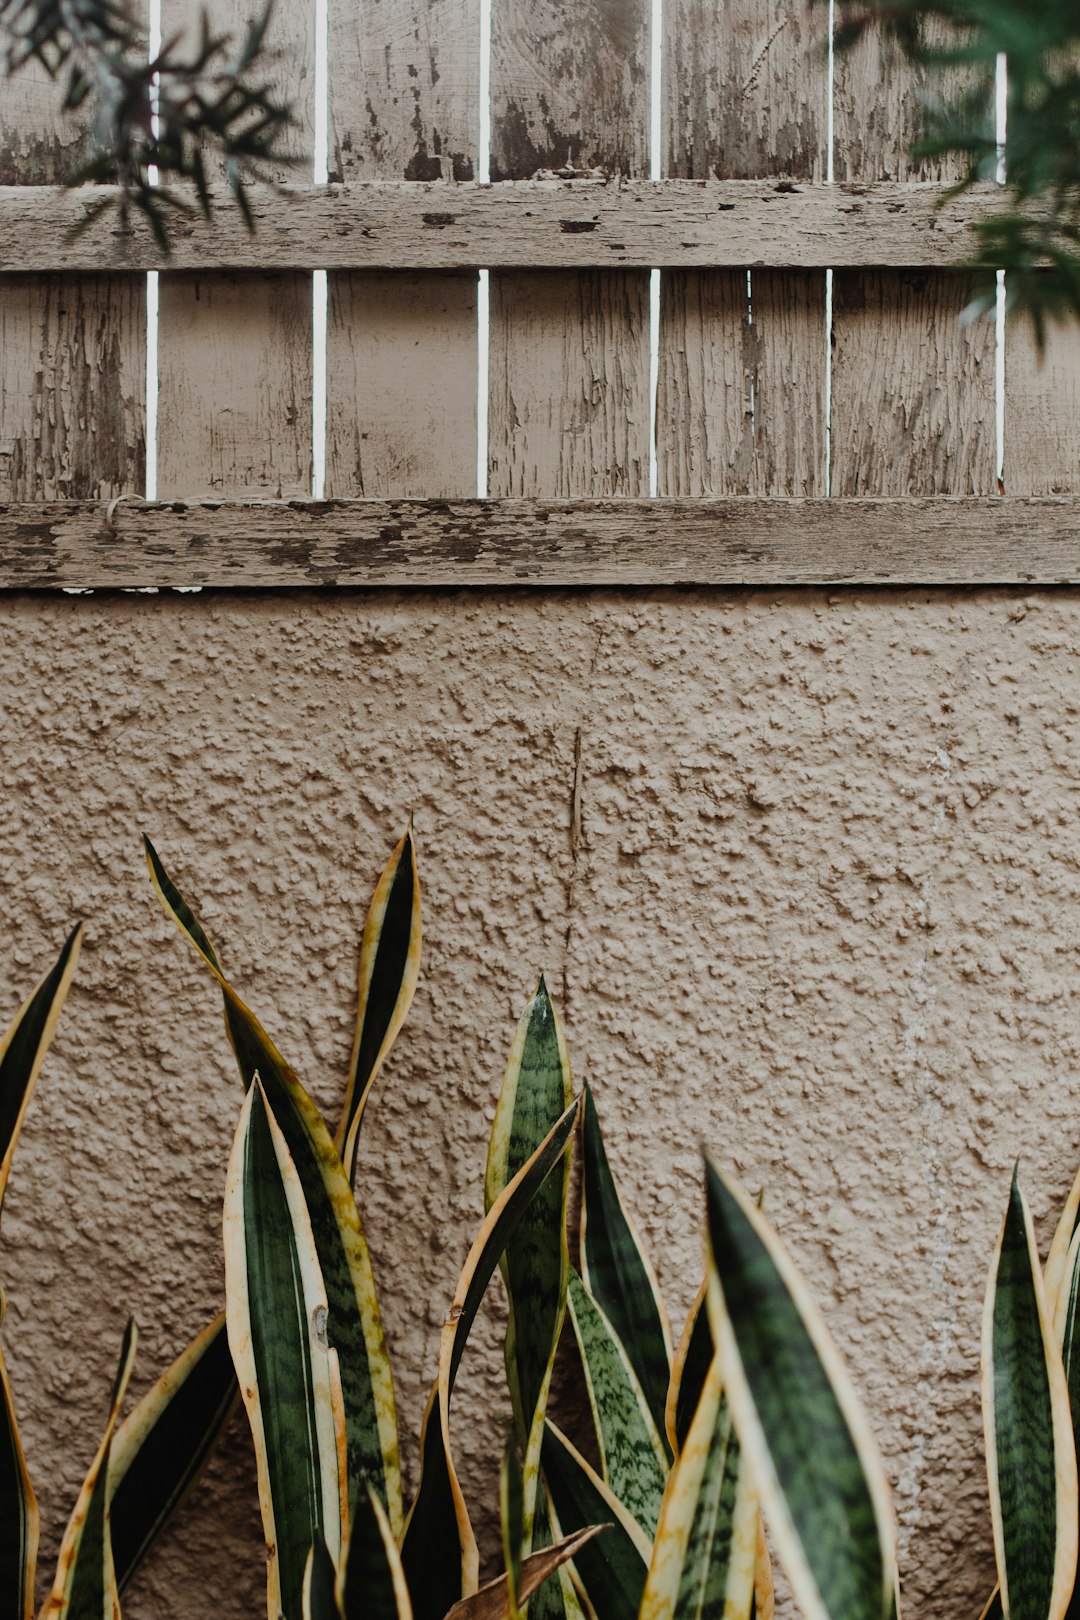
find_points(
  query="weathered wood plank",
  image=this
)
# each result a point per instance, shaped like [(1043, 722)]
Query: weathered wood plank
[(234, 350), (235, 385), (726, 419), (72, 348), (561, 224), (1042, 411), (741, 386), (568, 406), (278, 545), (402, 349), (401, 385), (745, 92), (72, 386), (913, 389)]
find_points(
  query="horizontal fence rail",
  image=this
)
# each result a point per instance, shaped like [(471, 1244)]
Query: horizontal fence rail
[(273, 544), (567, 224)]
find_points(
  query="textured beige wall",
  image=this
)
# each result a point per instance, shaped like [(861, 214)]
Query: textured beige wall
[(820, 912)]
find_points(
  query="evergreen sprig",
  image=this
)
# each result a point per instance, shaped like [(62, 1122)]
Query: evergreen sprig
[(1035, 239), (188, 108)]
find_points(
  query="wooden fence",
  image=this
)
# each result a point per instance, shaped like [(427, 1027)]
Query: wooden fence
[(821, 412)]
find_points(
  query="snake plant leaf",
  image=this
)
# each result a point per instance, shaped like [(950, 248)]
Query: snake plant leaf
[(693, 1358), (493, 1601), (802, 1432), (558, 1598), (535, 1092), (1064, 1232), (276, 1310), (85, 1585), (19, 1518), (354, 1325), (387, 976), (634, 1460), (611, 1571), (439, 1549), (320, 1584), (161, 1446), (512, 1525), (617, 1272), (23, 1048), (372, 1585), (764, 1591), (1030, 1454), (705, 1553)]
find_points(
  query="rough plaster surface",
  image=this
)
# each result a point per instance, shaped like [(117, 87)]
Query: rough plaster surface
[(804, 871)]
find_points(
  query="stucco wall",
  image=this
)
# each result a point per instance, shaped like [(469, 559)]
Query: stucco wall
[(815, 902)]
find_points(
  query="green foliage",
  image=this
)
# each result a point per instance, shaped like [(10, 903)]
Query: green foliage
[(651, 1507), (191, 106), (955, 45)]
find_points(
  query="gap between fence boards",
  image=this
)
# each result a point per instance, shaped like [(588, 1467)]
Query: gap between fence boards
[(551, 224), (941, 540)]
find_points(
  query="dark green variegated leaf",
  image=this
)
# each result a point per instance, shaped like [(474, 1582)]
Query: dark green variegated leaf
[(693, 1359), (807, 1444), (556, 1599), (705, 1552), (439, 1551), (22, 1052), (277, 1315), (617, 1272), (19, 1519), (23, 1048), (85, 1585), (1030, 1455), (492, 1602), (320, 1584), (389, 969), (633, 1458), (162, 1445), (354, 1326), (512, 1525), (536, 1089), (372, 1585), (612, 1569)]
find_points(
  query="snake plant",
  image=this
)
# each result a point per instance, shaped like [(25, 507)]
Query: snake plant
[(653, 1508)]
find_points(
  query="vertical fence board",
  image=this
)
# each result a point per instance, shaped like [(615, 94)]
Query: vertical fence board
[(72, 392), (234, 349), (401, 347), (1042, 411), (569, 363), (741, 388), (912, 389)]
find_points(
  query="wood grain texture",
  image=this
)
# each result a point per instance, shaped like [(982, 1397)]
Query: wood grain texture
[(912, 388), (401, 385), (745, 91), (404, 89), (402, 350), (72, 386), (741, 397), (234, 398), (557, 224), (569, 381), (72, 348), (1042, 411), (428, 544), (726, 386), (234, 350), (569, 369), (879, 102)]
